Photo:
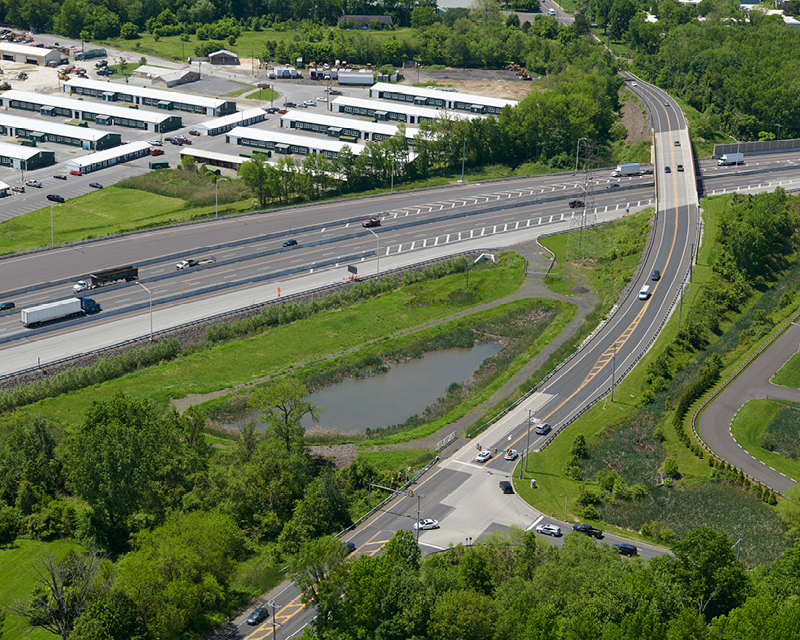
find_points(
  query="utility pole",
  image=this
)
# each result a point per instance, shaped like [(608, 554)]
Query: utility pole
[(528, 446), (613, 370), (463, 160)]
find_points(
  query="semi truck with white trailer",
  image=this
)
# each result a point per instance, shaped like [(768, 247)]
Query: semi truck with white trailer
[(107, 276), (629, 169), (69, 308), (730, 158)]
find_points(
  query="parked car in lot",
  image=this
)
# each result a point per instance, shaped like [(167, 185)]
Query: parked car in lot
[(95, 185), (282, 111), (18, 189), (156, 152), (155, 143), (322, 99), (549, 530), (60, 176), (290, 243), (428, 523), (194, 133), (511, 454), (33, 183), (258, 615), (483, 456), (54, 197), (75, 172)]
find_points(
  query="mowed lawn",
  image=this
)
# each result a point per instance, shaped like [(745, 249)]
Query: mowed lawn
[(18, 570), (103, 212), (748, 425), (789, 374)]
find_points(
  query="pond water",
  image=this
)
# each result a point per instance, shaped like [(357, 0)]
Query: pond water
[(392, 397)]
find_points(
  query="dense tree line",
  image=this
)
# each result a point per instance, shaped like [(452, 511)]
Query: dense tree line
[(513, 585)]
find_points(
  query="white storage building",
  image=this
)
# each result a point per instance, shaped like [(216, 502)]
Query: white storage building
[(438, 98), (50, 131), (287, 143), (109, 157), (26, 54), (226, 123), (346, 129), (384, 111)]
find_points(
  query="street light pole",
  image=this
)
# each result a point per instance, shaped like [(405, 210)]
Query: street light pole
[(377, 251), (151, 306), (528, 446), (216, 196), (463, 160), (613, 370)]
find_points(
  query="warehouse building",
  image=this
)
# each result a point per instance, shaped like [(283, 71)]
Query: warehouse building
[(148, 75), (97, 112), (5, 189), (440, 99), (16, 156), (226, 123), (363, 77), (213, 158), (287, 143), (148, 97), (223, 56), (30, 55), (44, 131), (109, 157), (345, 129), (388, 112)]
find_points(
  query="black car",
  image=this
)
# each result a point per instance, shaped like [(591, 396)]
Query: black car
[(613, 185), (349, 546), (60, 176), (575, 204), (506, 486), (680, 167), (55, 197), (626, 549), (656, 275), (257, 616), (290, 243), (5, 306)]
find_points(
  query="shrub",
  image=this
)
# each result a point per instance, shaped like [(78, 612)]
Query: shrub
[(590, 513), (671, 468)]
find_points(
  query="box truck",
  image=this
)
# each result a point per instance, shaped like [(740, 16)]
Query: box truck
[(69, 308), (731, 158), (630, 169)]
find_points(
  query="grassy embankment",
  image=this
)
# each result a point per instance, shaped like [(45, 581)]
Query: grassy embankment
[(748, 427), (729, 509), (18, 567), (285, 348)]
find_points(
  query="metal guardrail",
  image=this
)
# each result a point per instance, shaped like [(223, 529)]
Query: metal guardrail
[(219, 316), (445, 441), (722, 387)]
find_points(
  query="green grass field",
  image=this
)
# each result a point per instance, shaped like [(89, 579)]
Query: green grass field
[(17, 566), (789, 374), (748, 426), (280, 350)]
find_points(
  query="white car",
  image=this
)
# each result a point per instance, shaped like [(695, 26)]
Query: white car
[(633, 84), (549, 530), (322, 99), (155, 143), (483, 456), (82, 285), (511, 454), (183, 264), (426, 524)]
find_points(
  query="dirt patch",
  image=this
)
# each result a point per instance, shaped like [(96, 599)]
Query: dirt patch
[(579, 290), (634, 121), (496, 83), (339, 455)]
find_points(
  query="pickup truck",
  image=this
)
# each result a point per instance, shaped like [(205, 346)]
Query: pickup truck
[(187, 264), (33, 183), (588, 530), (371, 222)]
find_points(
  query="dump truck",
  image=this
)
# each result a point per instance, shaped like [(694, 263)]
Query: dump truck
[(630, 169), (69, 308), (730, 158), (100, 278)]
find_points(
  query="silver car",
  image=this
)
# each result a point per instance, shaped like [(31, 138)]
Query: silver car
[(549, 530), (428, 523)]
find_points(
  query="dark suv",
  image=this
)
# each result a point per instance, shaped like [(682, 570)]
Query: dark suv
[(626, 549), (505, 486), (5, 306)]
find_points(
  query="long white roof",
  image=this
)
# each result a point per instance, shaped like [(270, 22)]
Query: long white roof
[(109, 154), (56, 128), (401, 107), (146, 92), (17, 151), (232, 118), (104, 108), (338, 121), (14, 47), (279, 137), (451, 96)]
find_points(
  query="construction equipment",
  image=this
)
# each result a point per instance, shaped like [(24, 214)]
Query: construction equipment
[(5, 86)]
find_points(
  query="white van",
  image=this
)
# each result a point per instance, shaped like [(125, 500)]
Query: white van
[(644, 294), (552, 12)]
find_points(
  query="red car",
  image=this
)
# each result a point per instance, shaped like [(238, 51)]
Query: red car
[(95, 185), (75, 172), (194, 133), (156, 152), (371, 222), (282, 111)]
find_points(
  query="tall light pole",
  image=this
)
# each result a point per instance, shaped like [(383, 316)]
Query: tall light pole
[(578, 153), (216, 196), (463, 160), (52, 232), (151, 306), (528, 446), (613, 370), (377, 251)]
